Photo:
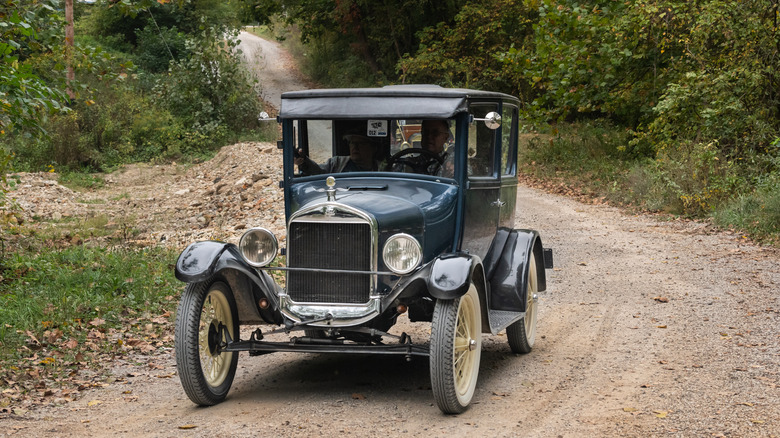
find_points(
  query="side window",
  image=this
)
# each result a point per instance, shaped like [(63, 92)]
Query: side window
[(481, 142), (508, 140)]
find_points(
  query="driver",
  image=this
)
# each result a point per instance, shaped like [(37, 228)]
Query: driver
[(362, 158), (436, 138)]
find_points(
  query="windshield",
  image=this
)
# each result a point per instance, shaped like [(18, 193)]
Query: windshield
[(410, 146)]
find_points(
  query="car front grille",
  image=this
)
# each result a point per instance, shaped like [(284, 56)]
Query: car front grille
[(329, 245)]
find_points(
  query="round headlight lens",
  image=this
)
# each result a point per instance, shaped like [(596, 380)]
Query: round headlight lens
[(258, 246), (402, 253)]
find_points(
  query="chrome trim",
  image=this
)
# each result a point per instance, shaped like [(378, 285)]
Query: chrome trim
[(344, 314)]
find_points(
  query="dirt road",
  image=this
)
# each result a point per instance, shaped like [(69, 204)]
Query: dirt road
[(648, 328)]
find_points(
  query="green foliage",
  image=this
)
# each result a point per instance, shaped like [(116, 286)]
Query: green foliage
[(378, 33), (757, 213), (123, 113), (464, 54), (25, 30), (332, 61), (212, 89), (584, 154)]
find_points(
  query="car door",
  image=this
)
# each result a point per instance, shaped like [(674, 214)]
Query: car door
[(483, 184)]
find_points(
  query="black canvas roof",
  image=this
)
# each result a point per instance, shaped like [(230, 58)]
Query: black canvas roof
[(392, 102)]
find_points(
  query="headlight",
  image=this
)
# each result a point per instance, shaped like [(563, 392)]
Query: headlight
[(258, 246), (402, 253)]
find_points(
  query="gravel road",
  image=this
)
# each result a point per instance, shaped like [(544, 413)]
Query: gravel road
[(648, 328)]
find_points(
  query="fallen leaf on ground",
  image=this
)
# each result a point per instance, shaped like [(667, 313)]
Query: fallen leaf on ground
[(661, 299), (629, 409), (94, 403), (188, 426), (661, 414)]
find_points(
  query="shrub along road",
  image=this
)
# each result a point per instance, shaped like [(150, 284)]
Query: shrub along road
[(648, 328)]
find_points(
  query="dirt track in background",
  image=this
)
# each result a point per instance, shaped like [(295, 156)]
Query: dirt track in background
[(648, 328)]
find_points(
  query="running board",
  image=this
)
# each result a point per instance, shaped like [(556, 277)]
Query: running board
[(501, 319)]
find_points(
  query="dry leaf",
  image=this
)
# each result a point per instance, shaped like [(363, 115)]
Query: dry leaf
[(188, 426), (661, 326), (661, 299), (629, 409), (661, 414), (94, 403)]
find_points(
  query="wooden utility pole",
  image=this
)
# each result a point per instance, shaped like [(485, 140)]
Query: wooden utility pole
[(69, 36)]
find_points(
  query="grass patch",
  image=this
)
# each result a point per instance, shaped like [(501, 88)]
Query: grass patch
[(64, 310), (758, 213), (81, 180)]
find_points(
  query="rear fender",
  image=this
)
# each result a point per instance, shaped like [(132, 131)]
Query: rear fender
[(509, 277), (203, 260)]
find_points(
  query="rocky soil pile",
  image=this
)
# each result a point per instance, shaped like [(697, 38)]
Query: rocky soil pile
[(170, 204)]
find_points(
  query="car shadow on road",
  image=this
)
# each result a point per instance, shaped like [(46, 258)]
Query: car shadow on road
[(291, 377)]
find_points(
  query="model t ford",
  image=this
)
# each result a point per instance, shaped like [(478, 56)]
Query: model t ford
[(397, 200)]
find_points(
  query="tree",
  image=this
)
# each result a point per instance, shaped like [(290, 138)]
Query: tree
[(24, 97)]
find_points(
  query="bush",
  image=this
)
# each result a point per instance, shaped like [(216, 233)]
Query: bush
[(211, 88)]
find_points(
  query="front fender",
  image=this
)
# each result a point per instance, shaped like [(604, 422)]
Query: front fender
[(450, 276), (203, 260)]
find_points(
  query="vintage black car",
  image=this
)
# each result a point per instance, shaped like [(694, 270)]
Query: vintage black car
[(398, 200)]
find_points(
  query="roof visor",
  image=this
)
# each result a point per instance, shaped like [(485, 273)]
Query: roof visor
[(367, 107)]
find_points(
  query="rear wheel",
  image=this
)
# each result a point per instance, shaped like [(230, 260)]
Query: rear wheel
[(522, 334), (207, 310), (456, 347)]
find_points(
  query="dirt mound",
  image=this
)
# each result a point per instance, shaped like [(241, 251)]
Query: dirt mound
[(171, 204)]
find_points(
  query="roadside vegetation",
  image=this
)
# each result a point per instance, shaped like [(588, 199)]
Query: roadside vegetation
[(669, 107)]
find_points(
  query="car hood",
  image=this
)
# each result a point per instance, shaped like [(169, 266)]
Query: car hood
[(421, 208)]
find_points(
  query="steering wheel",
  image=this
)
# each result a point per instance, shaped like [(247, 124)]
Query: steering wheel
[(420, 160)]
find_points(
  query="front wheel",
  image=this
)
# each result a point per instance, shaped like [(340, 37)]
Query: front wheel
[(206, 312), (522, 334), (456, 347)]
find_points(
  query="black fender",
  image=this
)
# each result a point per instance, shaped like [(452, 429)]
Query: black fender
[(507, 271), (201, 261), (450, 275)]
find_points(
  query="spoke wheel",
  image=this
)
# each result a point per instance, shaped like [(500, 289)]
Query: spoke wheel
[(456, 348), (206, 311), (522, 334)]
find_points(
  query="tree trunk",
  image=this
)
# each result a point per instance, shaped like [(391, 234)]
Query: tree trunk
[(69, 36)]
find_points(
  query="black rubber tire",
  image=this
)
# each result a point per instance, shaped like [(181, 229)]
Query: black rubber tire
[(522, 334), (456, 347), (206, 377)]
